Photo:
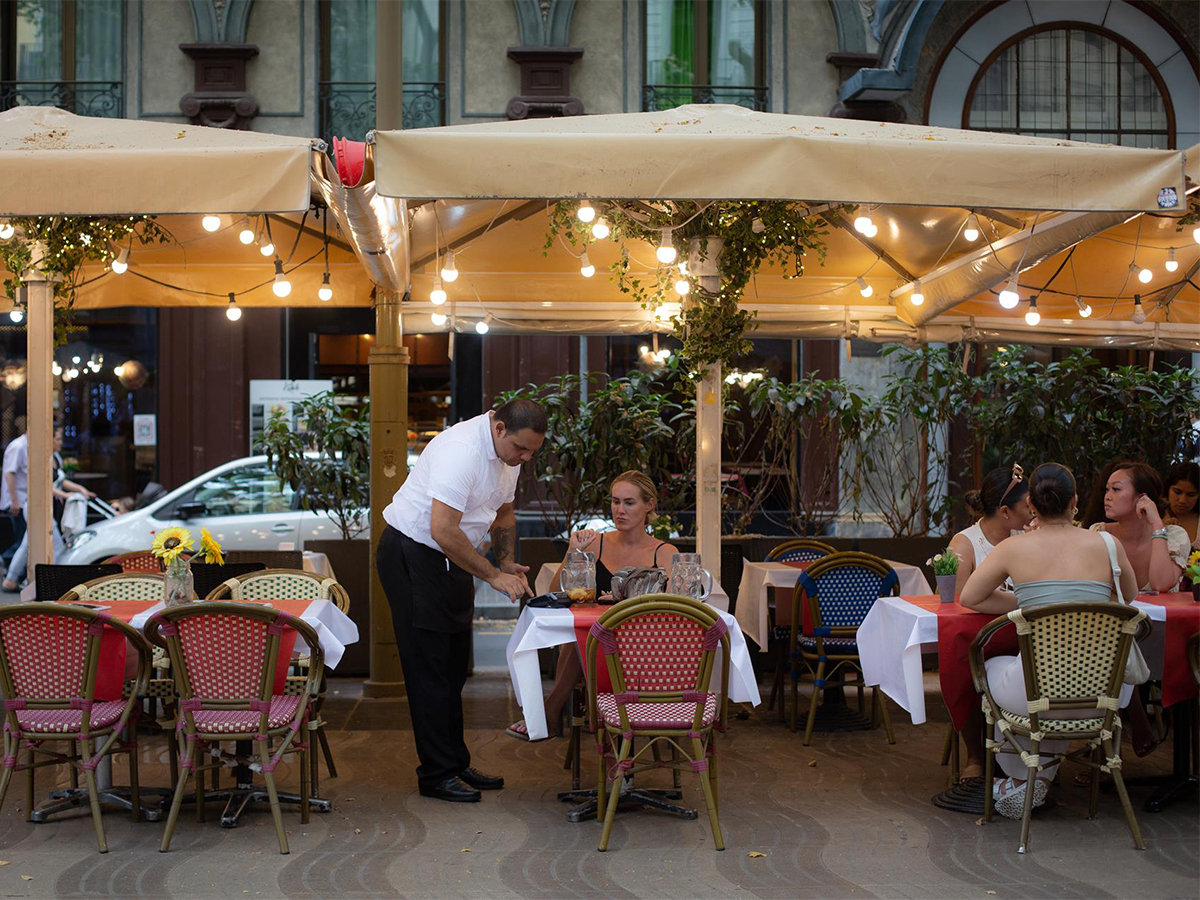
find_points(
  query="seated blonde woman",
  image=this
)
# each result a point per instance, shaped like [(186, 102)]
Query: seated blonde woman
[(634, 498), (1057, 563)]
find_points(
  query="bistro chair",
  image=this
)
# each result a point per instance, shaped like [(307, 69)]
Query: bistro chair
[(1073, 655), (49, 675), (660, 650), (206, 577), (292, 584), (224, 658), (123, 586), (840, 590), (798, 550), (137, 561), (52, 581)]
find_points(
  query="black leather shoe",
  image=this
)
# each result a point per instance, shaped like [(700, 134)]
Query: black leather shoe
[(477, 779), (451, 789)]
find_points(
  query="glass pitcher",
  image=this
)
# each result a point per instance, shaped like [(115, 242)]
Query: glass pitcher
[(689, 578), (578, 578)]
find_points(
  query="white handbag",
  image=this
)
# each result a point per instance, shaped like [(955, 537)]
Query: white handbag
[(1136, 669), (74, 517)]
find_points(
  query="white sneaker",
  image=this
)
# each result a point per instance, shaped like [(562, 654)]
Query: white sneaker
[(1008, 797)]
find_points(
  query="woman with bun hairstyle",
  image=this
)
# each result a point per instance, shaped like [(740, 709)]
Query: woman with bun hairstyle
[(1001, 507), (1056, 563), (1132, 503)]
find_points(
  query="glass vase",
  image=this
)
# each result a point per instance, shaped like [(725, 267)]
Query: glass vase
[(178, 583)]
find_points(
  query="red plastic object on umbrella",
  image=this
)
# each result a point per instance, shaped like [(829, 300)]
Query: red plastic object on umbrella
[(351, 159)]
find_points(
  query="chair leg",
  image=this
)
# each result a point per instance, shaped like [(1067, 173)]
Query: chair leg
[(989, 769), (710, 799), (134, 788), (1027, 813), (877, 694), (1094, 788), (601, 778), (269, 777), (814, 703), (675, 774), (326, 752), (314, 763), (94, 801), (777, 685), (610, 814), (712, 774), (29, 782), (173, 755), (861, 706), (1119, 780), (304, 754), (201, 752), (794, 715), (177, 800)]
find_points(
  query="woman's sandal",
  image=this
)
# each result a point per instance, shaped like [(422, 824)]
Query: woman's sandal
[(520, 732)]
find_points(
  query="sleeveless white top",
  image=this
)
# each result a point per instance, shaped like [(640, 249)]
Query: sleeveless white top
[(979, 542)]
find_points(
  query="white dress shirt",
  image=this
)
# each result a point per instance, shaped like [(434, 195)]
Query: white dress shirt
[(460, 468), (16, 461)]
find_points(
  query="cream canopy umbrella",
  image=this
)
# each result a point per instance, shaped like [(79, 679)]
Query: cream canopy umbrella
[(53, 163)]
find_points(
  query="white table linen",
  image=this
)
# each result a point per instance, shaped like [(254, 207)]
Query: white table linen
[(334, 628), (718, 599), (539, 628), (318, 563), (759, 579)]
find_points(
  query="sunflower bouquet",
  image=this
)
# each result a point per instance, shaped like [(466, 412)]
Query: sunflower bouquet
[(1192, 571), (176, 548)]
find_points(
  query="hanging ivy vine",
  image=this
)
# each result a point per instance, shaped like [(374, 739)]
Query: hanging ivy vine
[(70, 242), (711, 325)]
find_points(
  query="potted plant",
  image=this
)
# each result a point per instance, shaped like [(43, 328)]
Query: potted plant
[(945, 570)]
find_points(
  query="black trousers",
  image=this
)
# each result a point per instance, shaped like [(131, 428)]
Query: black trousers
[(428, 596)]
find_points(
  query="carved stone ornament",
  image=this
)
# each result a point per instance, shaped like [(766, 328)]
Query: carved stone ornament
[(545, 83), (220, 99)]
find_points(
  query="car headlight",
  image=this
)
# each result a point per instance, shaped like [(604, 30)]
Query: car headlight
[(81, 538)]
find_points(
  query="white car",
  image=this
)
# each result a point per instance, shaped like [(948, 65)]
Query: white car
[(242, 503)]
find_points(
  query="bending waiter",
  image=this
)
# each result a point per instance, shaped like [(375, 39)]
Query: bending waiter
[(462, 487)]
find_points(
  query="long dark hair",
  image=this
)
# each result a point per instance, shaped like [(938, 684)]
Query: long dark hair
[(1184, 471), (1001, 487), (1145, 481)]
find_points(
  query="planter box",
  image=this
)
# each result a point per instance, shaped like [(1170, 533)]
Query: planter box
[(351, 561)]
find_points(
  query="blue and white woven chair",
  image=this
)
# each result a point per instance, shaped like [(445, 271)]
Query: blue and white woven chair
[(797, 550), (840, 590)]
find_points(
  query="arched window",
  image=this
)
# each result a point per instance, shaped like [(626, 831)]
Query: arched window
[(1076, 82)]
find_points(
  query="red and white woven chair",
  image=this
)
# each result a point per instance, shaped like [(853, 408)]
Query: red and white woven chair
[(224, 658), (137, 561), (49, 662), (660, 650)]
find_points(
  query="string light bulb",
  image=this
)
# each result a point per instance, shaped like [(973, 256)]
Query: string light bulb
[(586, 269), (438, 319), (666, 252), (918, 296), (601, 230), (1009, 298), (325, 291), (483, 326), (1139, 314), (210, 223), (16, 316), (1172, 263), (683, 287), (267, 249), (7, 230), (1032, 316), (56, 369), (246, 235), (438, 295), (863, 224), (1085, 309), (683, 268), (1144, 275), (971, 232), (1196, 235), (449, 269), (863, 288), (281, 287), (233, 312), (120, 264), (586, 212)]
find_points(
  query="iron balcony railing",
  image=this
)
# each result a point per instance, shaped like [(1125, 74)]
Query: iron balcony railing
[(657, 97), (348, 107), (104, 99)]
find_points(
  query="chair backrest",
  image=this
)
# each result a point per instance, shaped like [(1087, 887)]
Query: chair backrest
[(799, 550), (52, 581), (206, 577), (271, 559), (281, 584), (123, 586), (841, 589), (137, 561), (50, 654)]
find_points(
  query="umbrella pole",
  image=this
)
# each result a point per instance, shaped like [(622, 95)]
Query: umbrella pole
[(39, 337)]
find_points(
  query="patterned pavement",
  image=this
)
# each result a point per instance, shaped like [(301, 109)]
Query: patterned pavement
[(858, 823)]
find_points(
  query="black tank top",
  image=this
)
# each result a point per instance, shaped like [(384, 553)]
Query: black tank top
[(604, 577)]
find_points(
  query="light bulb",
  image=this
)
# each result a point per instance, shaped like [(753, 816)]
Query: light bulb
[(449, 269), (871, 231), (683, 270), (210, 223), (482, 326), (1139, 314), (56, 369), (438, 295), (121, 264), (586, 269), (119, 370), (246, 235), (600, 230), (438, 319), (1084, 309), (1032, 316), (918, 296), (325, 292), (1196, 235), (1172, 263), (7, 231), (233, 313), (586, 212), (16, 316), (282, 287), (1009, 297), (971, 232), (267, 249), (862, 224), (77, 360), (683, 287), (863, 288), (73, 372), (1144, 276), (666, 249)]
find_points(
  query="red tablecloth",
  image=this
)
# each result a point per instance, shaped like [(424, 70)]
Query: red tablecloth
[(586, 615), (110, 676), (1183, 620), (783, 601)]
